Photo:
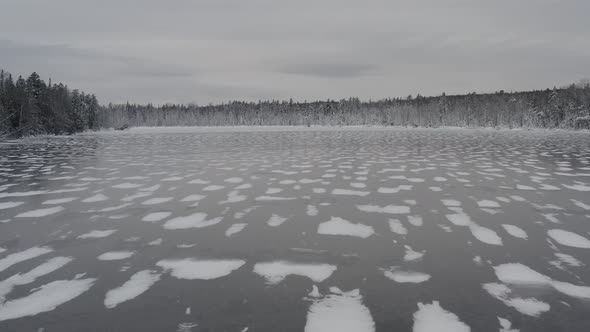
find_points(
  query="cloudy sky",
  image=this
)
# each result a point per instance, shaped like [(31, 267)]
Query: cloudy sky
[(210, 51)]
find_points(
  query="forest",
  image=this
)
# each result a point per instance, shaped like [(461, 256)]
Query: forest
[(567, 108), (30, 106)]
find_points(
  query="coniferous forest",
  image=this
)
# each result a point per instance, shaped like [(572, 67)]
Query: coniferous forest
[(31, 106)]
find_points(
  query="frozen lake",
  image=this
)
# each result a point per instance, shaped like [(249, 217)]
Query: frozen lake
[(316, 230)]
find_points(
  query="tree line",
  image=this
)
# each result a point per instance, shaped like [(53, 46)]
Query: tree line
[(567, 107), (31, 107)]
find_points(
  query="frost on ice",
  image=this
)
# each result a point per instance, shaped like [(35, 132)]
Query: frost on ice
[(139, 283), (115, 255), (339, 311), (195, 220), (568, 238), (200, 269), (275, 272), (21, 256), (433, 318), (45, 298), (339, 226)]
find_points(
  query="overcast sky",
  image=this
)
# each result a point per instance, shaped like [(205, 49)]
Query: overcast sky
[(209, 51)]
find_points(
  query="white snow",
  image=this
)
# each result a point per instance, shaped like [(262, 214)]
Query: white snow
[(526, 306), (127, 185), (157, 200), (415, 220), (213, 187), (396, 226), (156, 216), (312, 210), (115, 255), (406, 276), (412, 255), (21, 256), (391, 209), (275, 220), (59, 200), (450, 202), (200, 269), (195, 220), (48, 267), (138, 284), (193, 198), (45, 298), (515, 231), (342, 312), (9, 205), (339, 226), (568, 238), (95, 198), (488, 204), (96, 234), (275, 272), (350, 192), (235, 228), (433, 318), (485, 235), (40, 212)]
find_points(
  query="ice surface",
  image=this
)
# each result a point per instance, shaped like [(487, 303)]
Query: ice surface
[(391, 209), (433, 318), (275, 272), (235, 228), (506, 325), (515, 231), (138, 284), (195, 220), (115, 255), (156, 216), (569, 239), (96, 234), (22, 256), (40, 212), (342, 312), (339, 226), (200, 269), (45, 298)]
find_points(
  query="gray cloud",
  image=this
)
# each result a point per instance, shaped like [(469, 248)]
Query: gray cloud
[(218, 50), (329, 69)]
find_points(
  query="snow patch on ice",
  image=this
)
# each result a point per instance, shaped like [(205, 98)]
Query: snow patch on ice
[(433, 318), (339, 226), (138, 284), (275, 272), (200, 269)]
